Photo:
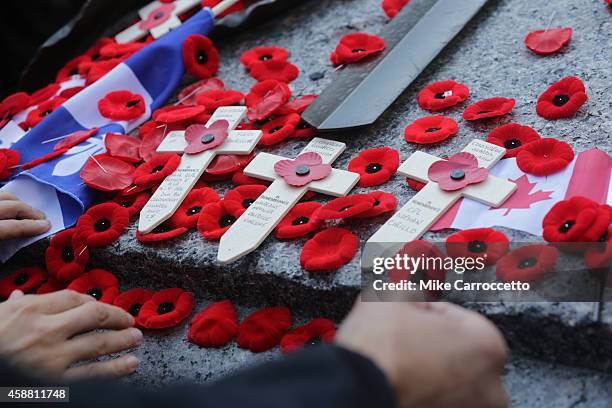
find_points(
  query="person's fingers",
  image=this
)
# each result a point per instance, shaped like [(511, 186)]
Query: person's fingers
[(92, 316), (118, 367), (23, 228), (61, 301), (16, 294), (7, 196), (100, 344), (10, 209), (494, 394)]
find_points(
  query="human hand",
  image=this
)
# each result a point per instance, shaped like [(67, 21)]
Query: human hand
[(434, 354), (17, 219), (40, 334)]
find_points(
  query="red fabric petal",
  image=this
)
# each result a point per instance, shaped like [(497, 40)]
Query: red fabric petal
[(297, 105), (549, 41), (166, 308), (75, 138), (430, 129), (263, 329), (265, 98), (188, 95), (300, 221), (278, 129), (152, 133), (441, 95), (216, 218), (229, 163), (188, 213), (489, 108), (64, 261), (312, 333), (239, 178), (123, 147), (375, 166), (106, 173), (578, 219), (43, 110), (244, 196), (134, 202), (383, 203), (13, 104), (562, 99), (526, 264), (9, 159), (393, 7), (101, 68), (215, 325), (261, 54), (355, 47), (279, 70), (545, 156), (513, 137), (101, 225), (98, 283), (70, 92), (347, 206), (44, 94), (156, 169), (433, 270), (473, 243), (132, 300), (47, 157), (200, 56), (212, 100), (23, 279), (162, 232), (328, 250), (71, 68), (122, 105), (173, 114), (50, 286)]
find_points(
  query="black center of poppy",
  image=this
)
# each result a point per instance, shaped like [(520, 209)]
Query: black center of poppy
[(604, 236), (96, 293), (527, 262), (302, 125), (373, 168), (477, 246), (265, 57), (246, 203), (512, 143), (126, 204), (67, 254), (313, 341), (345, 208), (133, 102), (95, 56), (355, 50), (302, 170), (102, 225), (73, 72), (164, 308), (157, 169), (457, 174), (563, 228), (440, 95), (21, 279), (300, 221), (158, 15), (160, 229), (484, 111), (226, 220), (207, 138), (45, 113), (201, 57), (134, 309), (560, 100), (376, 202), (432, 129), (194, 210), (274, 129)]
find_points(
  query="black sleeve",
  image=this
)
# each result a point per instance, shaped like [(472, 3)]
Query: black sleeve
[(320, 377)]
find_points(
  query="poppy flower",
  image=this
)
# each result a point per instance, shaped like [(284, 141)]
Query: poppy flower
[(152, 133), (101, 68), (173, 114), (132, 300), (122, 105), (545, 156), (201, 138), (166, 308), (156, 169), (200, 56), (70, 92), (236, 7), (280, 70), (460, 170), (513, 137), (578, 219), (123, 147), (13, 104), (35, 116), (64, 261), (375, 166), (314, 332), (189, 94), (212, 100), (240, 179), (265, 98), (383, 203), (43, 159), (190, 209), (244, 196), (328, 250), (162, 232), (215, 325), (489, 108), (263, 329), (430, 129), (278, 129), (562, 99), (157, 16), (473, 243), (75, 138), (106, 173), (443, 94), (346, 207), (120, 50), (228, 163), (134, 202), (303, 169), (9, 159), (300, 221), (50, 286), (549, 41), (433, 269), (298, 105), (393, 7), (44, 94), (527, 263), (101, 225), (262, 54), (415, 184), (303, 130), (97, 283), (23, 279), (216, 218), (355, 47), (598, 257), (71, 68)]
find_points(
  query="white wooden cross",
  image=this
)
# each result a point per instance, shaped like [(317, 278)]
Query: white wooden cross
[(429, 204), (171, 193), (254, 225)]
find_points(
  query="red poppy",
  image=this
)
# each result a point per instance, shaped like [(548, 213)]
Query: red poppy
[(415, 184), (132, 300), (9, 159), (152, 133), (347, 206), (224, 164), (212, 100), (97, 283), (75, 138), (13, 104), (355, 47), (297, 105), (122, 105), (23, 279), (106, 173), (513, 137), (162, 232), (278, 129), (280, 70), (240, 179), (460, 170), (188, 95), (123, 147), (166, 308), (549, 41), (375, 166), (265, 98), (441, 95), (101, 225), (216, 218), (50, 286), (40, 160), (545, 156), (310, 334), (578, 219), (261, 54), (328, 250), (64, 261), (98, 69), (383, 203), (303, 130), (215, 325), (527, 263), (244, 196), (393, 7), (134, 202), (300, 221), (562, 99), (489, 108), (71, 68), (200, 137), (173, 114), (598, 257), (305, 168), (473, 243), (158, 15), (156, 169), (114, 50), (35, 116), (433, 269), (188, 213), (200, 56), (430, 129), (263, 329), (70, 92), (44, 94), (236, 7)]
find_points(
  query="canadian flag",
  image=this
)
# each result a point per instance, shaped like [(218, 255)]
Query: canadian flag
[(587, 175)]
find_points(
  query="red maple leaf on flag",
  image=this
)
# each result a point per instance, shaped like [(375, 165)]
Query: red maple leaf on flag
[(522, 199)]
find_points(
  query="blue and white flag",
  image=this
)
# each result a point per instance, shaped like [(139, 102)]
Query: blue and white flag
[(55, 187)]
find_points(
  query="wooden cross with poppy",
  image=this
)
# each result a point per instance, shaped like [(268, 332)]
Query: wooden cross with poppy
[(200, 143), (291, 179)]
